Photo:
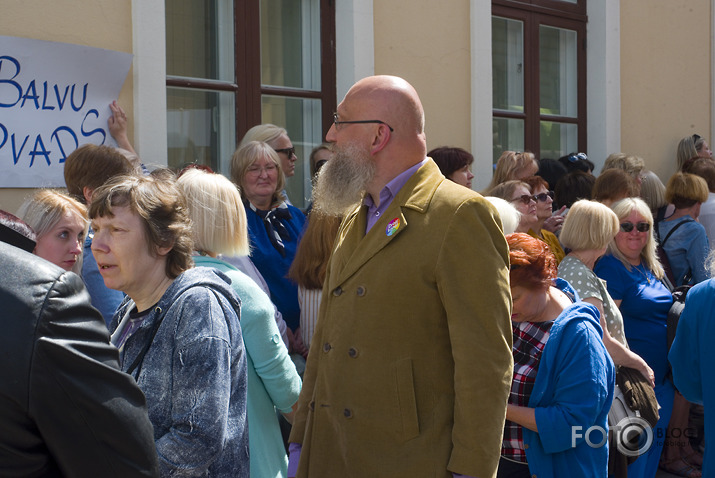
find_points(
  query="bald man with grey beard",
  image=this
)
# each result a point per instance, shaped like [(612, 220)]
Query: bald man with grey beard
[(410, 365)]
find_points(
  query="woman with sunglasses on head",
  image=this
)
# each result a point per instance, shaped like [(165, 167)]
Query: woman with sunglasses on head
[(277, 138), (274, 227), (633, 277), (693, 146), (544, 212), (518, 194)]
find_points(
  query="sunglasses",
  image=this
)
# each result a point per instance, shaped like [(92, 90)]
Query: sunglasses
[(524, 198), (290, 152), (640, 227), (544, 196)]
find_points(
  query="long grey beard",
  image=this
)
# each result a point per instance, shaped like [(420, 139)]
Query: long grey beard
[(342, 181)]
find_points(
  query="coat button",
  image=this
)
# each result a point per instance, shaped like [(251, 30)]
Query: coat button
[(338, 291), (352, 352), (311, 405), (526, 446), (348, 413), (361, 291), (327, 347)]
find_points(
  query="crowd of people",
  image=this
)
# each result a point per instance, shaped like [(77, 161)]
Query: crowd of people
[(402, 325)]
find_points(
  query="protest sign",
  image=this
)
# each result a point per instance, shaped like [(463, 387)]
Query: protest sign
[(54, 97)]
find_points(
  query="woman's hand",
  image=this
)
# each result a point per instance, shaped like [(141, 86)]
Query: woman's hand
[(117, 124), (645, 370), (296, 345), (554, 223), (524, 416)]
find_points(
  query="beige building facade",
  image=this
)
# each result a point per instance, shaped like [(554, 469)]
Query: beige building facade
[(649, 71)]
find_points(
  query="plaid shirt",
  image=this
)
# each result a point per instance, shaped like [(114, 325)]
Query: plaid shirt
[(529, 342)]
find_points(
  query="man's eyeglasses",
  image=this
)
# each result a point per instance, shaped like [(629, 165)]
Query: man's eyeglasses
[(337, 122), (524, 198), (290, 152), (640, 227), (544, 196)]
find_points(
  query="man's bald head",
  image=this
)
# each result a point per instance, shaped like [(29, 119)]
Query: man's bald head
[(390, 99)]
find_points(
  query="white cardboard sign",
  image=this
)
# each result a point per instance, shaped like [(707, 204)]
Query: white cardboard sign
[(54, 97)]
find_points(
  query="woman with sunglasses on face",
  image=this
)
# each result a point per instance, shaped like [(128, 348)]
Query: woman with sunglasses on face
[(634, 276), (544, 199), (518, 194)]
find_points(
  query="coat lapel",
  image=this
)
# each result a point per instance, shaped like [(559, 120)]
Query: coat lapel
[(356, 248)]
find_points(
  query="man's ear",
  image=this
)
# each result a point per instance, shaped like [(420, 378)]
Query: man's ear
[(87, 193), (381, 138)]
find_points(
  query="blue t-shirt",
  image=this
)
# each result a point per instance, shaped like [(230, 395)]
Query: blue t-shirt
[(645, 302), (274, 266), (687, 249)]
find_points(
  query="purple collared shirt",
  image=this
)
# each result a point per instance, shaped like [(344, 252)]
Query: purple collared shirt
[(387, 194)]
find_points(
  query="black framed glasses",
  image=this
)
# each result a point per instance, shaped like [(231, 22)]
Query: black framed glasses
[(337, 122), (544, 196), (696, 137), (640, 227), (290, 152), (524, 198)]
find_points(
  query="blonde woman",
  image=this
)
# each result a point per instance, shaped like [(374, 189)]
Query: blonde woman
[(513, 165), (60, 223), (219, 227), (588, 229), (633, 276), (518, 194)]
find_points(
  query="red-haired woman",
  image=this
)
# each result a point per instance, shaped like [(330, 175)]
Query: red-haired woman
[(563, 378)]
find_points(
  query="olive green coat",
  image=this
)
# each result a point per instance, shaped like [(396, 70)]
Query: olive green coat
[(410, 365)]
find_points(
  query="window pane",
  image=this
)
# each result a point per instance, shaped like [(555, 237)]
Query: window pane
[(301, 118), (508, 136), (507, 64), (290, 43), (558, 139), (201, 128), (558, 71), (199, 39)]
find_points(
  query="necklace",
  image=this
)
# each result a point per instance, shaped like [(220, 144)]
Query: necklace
[(642, 271)]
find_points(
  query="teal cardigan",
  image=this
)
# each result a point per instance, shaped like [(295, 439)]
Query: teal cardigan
[(272, 378)]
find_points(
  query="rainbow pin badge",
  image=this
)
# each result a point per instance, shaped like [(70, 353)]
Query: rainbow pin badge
[(392, 227)]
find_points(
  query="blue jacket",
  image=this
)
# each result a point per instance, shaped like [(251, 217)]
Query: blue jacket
[(194, 376), (691, 353), (573, 388), (273, 266), (687, 249)]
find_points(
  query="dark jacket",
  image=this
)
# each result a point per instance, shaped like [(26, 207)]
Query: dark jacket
[(193, 375), (65, 408)]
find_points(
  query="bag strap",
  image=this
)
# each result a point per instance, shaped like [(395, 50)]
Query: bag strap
[(675, 228), (139, 360)]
